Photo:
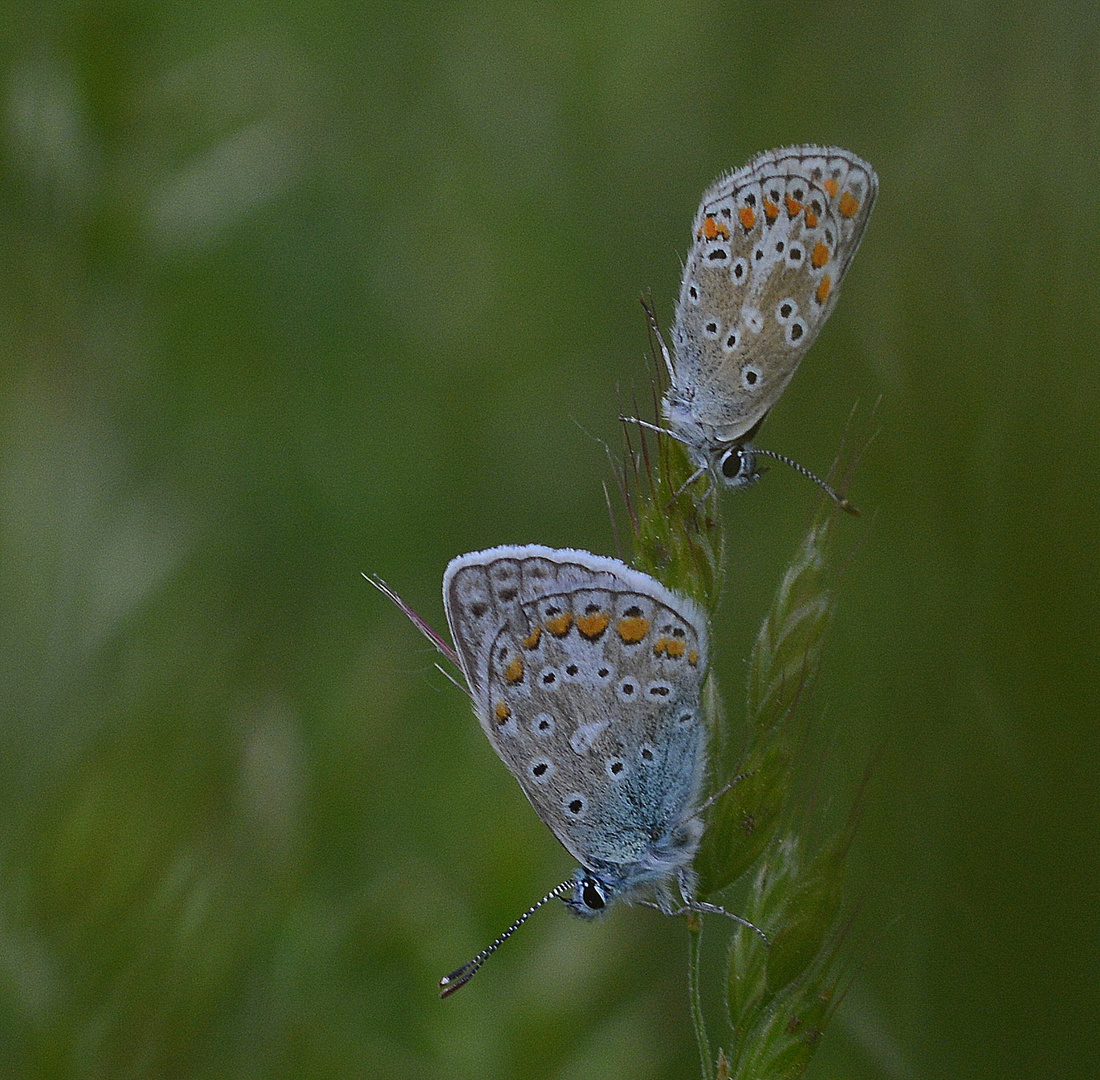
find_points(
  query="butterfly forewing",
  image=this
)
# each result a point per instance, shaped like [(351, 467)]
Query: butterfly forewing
[(588, 690), (772, 242)]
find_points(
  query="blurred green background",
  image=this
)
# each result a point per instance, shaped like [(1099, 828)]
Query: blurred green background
[(295, 291)]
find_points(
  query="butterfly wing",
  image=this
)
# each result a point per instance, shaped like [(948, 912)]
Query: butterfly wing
[(772, 243), (588, 690)]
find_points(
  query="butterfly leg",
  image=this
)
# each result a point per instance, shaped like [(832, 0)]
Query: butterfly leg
[(686, 883)]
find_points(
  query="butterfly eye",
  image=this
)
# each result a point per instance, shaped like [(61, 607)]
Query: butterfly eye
[(736, 467), (592, 895)]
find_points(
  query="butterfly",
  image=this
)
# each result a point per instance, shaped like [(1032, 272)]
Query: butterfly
[(586, 677), (772, 243)]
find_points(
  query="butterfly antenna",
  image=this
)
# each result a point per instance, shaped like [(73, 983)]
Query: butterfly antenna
[(839, 499), (655, 330), (416, 619), (453, 680), (462, 975)]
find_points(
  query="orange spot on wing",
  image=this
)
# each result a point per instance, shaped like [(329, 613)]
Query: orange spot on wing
[(673, 648), (771, 211), (832, 187), (823, 289), (591, 626), (513, 673), (793, 206), (633, 629), (712, 229), (559, 624), (693, 658), (849, 205), (820, 255), (748, 217), (532, 639), (503, 713), (811, 218)]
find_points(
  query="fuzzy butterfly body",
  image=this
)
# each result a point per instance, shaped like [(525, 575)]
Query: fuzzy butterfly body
[(772, 243), (586, 676)]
